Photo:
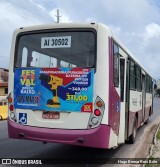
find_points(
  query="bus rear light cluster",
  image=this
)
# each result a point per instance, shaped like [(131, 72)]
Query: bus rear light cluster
[(11, 108), (96, 116)]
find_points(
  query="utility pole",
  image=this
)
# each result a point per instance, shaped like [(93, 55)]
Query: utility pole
[(58, 16)]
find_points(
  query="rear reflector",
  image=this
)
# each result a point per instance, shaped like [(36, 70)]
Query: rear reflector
[(12, 115)]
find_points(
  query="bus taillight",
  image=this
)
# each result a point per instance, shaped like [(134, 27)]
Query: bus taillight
[(96, 116), (12, 113)]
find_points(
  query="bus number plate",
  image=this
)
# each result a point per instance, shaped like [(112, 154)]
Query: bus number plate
[(51, 115)]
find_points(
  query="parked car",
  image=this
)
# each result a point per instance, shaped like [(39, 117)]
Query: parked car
[(3, 110)]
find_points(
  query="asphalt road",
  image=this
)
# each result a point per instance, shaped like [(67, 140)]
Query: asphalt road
[(11, 148)]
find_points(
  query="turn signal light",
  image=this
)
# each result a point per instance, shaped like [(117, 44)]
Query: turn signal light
[(97, 112), (10, 100), (99, 104)]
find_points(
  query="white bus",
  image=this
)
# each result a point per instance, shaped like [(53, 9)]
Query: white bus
[(76, 84)]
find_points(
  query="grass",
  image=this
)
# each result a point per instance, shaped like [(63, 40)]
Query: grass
[(152, 165), (151, 157), (158, 135)]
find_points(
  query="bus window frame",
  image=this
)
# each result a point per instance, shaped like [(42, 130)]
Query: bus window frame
[(118, 61)]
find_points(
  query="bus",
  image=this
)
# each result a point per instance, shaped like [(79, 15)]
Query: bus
[(76, 84)]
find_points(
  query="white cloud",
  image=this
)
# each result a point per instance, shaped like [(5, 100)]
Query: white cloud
[(41, 7), (152, 30), (135, 22), (15, 15), (145, 44)]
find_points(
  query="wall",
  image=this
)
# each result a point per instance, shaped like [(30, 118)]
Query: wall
[(3, 81)]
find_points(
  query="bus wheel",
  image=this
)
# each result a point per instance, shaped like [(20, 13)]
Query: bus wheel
[(132, 138), (0, 117), (146, 122)]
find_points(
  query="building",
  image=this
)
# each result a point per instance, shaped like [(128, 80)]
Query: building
[(158, 88), (158, 84), (3, 82)]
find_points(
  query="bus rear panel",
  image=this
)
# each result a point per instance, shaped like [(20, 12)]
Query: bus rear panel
[(52, 97), (75, 84)]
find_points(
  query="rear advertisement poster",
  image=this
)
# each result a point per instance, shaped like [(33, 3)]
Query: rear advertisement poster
[(54, 89)]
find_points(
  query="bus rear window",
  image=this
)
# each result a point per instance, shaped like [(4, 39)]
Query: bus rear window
[(56, 49)]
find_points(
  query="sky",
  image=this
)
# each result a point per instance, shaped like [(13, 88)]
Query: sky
[(135, 22)]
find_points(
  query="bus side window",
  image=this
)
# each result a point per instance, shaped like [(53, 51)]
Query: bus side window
[(116, 65), (132, 76), (24, 57), (138, 79), (148, 84), (151, 85)]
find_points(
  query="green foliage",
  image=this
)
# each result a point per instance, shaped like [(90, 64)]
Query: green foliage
[(158, 135)]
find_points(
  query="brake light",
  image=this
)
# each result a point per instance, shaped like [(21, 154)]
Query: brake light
[(97, 112), (11, 107)]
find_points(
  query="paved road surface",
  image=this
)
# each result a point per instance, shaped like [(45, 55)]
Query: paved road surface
[(11, 148)]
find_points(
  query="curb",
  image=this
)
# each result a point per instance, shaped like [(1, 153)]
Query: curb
[(154, 143)]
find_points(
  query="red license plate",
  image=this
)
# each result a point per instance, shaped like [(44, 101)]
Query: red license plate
[(51, 115)]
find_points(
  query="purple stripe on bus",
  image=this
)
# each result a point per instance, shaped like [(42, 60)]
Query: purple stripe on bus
[(114, 99), (98, 137)]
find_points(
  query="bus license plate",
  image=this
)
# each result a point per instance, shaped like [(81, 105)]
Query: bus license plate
[(51, 115)]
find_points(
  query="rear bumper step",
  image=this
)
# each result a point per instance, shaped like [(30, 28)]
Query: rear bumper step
[(97, 137)]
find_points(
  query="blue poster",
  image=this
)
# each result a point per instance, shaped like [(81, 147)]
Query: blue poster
[(54, 89)]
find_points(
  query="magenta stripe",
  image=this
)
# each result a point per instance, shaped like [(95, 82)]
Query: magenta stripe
[(98, 137), (114, 99)]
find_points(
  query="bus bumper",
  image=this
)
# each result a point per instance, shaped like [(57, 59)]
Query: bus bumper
[(97, 137)]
